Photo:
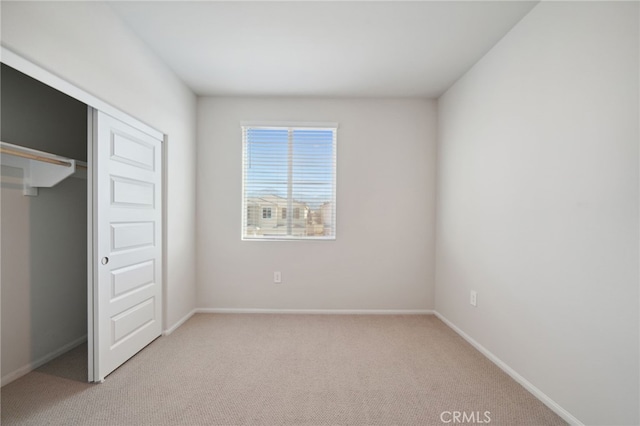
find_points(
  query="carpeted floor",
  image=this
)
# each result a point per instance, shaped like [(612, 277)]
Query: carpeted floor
[(283, 370)]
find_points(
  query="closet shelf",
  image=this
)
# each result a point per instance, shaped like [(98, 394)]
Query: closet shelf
[(40, 169)]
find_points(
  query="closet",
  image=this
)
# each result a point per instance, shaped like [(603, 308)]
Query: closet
[(81, 225), (44, 229)]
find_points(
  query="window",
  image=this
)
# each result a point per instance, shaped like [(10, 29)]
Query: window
[(292, 169)]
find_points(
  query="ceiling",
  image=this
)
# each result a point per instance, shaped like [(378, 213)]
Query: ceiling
[(321, 48)]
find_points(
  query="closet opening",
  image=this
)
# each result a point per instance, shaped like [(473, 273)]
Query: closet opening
[(44, 237), (82, 228)]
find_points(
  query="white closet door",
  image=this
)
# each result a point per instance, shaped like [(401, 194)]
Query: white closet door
[(127, 242)]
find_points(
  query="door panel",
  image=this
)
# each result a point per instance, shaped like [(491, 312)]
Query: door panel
[(127, 241), (132, 192), (132, 236), (130, 278)]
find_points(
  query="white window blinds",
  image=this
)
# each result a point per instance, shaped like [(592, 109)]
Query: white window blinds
[(289, 182)]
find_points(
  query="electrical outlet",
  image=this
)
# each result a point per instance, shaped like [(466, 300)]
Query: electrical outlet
[(473, 298), (277, 277)]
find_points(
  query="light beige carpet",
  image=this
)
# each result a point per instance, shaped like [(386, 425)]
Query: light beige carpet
[(283, 370)]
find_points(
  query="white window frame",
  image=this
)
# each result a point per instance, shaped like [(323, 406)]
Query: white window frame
[(290, 125)]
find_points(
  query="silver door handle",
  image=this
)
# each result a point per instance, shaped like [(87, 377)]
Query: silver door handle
[(105, 260)]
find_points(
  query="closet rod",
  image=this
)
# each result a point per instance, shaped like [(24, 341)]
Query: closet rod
[(29, 156), (34, 157)]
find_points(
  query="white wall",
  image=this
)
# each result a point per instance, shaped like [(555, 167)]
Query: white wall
[(88, 45), (383, 255), (538, 205)]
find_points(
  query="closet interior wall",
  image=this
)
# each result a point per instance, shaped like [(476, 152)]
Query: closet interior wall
[(43, 238)]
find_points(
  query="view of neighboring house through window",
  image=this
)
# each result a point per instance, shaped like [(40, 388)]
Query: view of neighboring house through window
[(289, 175)]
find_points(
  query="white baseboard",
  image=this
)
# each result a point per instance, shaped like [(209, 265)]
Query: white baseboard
[(566, 416), (179, 323), (10, 377), (316, 311), (296, 311)]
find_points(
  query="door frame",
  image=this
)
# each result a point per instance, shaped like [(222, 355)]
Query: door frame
[(40, 73)]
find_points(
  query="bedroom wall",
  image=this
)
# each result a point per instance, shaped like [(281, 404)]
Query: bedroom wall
[(537, 206), (88, 45), (382, 258)]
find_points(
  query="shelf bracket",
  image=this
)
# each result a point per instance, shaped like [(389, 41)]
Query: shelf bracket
[(38, 174)]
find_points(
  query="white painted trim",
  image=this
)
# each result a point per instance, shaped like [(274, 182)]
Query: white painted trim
[(281, 124), (181, 321), (546, 400), (294, 311), (316, 311), (31, 69), (165, 235), (91, 277), (24, 370)]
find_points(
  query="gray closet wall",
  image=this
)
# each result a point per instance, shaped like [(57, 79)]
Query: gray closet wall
[(43, 238)]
